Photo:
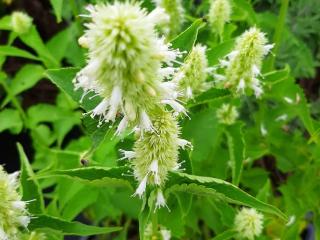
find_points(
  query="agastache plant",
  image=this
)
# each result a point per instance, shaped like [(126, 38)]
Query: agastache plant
[(13, 211), (219, 15), (243, 64), (227, 114), (191, 77), (127, 64)]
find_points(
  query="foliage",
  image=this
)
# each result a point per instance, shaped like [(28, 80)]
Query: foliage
[(264, 156)]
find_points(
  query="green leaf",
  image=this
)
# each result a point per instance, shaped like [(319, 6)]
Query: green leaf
[(5, 23), (63, 79), (10, 119), (236, 150), (209, 96), (57, 7), (68, 228), (220, 51), (29, 185), (33, 40), (16, 52), (26, 78), (213, 186), (229, 234), (95, 175), (186, 39), (277, 76)]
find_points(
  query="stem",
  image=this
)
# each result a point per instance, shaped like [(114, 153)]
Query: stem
[(278, 33), (155, 225)]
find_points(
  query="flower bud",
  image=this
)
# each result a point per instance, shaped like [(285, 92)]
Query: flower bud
[(21, 22), (175, 11), (13, 212), (248, 223), (219, 15), (121, 68), (192, 76), (227, 114), (243, 64)]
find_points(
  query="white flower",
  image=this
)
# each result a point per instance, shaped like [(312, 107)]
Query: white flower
[(127, 63), (166, 234), (248, 223), (127, 154), (142, 187), (184, 143), (160, 202)]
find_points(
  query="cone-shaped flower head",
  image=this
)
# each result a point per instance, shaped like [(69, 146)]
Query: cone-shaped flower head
[(20, 22), (244, 63), (248, 223), (175, 11), (13, 213), (192, 76), (227, 114), (155, 153), (124, 66), (219, 15)]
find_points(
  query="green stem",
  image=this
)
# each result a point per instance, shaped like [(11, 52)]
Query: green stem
[(278, 33), (154, 225)]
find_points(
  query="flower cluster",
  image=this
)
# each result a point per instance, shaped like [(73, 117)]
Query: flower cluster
[(175, 11), (13, 212), (248, 223), (125, 65), (20, 22), (191, 77), (156, 153), (219, 15), (163, 233), (243, 64), (227, 114)]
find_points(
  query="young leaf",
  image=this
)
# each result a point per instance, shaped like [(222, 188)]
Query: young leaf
[(29, 185), (236, 150), (208, 96), (186, 39), (16, 52), (57, 7), (10, 119), (68, 228), (213, 186)]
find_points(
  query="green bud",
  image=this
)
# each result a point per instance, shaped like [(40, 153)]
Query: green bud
[(21, 22)]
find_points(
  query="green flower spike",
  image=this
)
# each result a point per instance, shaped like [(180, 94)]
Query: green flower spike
[(243, 64)]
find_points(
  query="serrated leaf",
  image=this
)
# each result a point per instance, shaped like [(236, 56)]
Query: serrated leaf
[(236, 150), (68, 228), (16, 52), (187, 38), (95, 175), (209, 96), (63, 79), (29, 185), (223, 189)]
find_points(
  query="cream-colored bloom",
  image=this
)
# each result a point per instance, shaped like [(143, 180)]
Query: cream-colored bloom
[(219, 15), (243, 64), (20, 22), (127, 64), (13, 212), (248, 223), (192, 75)]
